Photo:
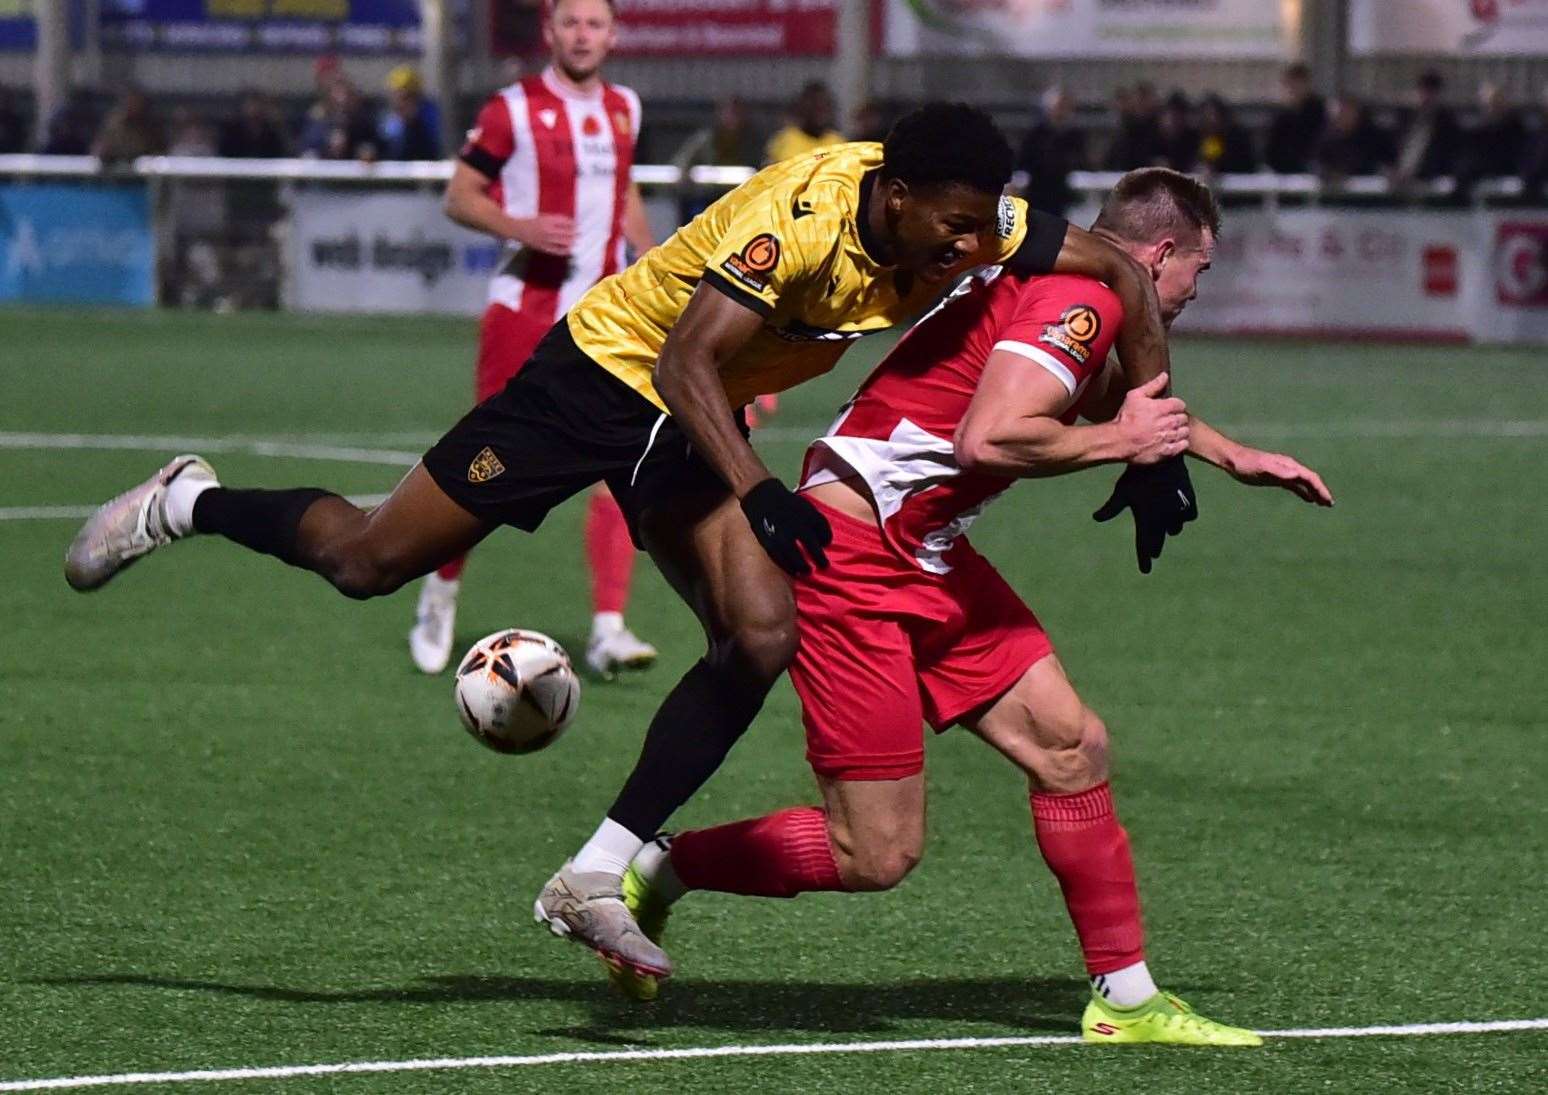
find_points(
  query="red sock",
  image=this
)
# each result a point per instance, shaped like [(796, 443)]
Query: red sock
[(453, 570), (610, 552), (1088, 851), (780, 855)]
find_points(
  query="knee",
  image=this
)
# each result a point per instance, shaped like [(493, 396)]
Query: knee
[(761, 647), (878, 863), (1074, 758), (361, 574)]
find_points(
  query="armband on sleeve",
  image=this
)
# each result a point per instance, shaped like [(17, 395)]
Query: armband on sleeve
[(1039, 250)]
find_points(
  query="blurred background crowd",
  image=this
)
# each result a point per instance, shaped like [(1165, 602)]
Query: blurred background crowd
[(1466, 133)]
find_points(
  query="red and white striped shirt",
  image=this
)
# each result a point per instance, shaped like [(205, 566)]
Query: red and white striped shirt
[(550, 149), (896, 434)]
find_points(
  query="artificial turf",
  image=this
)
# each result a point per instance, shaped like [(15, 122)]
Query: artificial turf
[(239, 829)]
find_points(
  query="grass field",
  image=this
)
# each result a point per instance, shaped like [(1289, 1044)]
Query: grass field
[(239, 830)]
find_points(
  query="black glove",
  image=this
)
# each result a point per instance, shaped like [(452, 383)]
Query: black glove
[(1161, 496), (784, 523)]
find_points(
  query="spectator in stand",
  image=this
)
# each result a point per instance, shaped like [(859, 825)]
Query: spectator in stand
[(130, 130), (1534, 157), (1352, 144), (869, 123), (191, 135), (1177, 139), (13, 128), (1135, 140), (810, 129), (257, 132), (338, 127), (1224, 146), (70, 129), (1495, 146), (1428, 146), (1297, 125), (727, 142), (411, 127), (1052, 148)]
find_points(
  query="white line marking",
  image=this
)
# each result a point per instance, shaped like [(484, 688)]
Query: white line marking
[(281, 1072), (254, 446), (80, 513)]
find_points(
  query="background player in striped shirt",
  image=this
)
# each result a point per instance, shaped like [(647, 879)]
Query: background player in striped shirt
[(909, 624), (546, 170)]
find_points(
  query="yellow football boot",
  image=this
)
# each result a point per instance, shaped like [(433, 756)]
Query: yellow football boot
[(1163, 1020)]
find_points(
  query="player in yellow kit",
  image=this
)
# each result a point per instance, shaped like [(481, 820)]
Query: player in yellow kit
[(640, 387)]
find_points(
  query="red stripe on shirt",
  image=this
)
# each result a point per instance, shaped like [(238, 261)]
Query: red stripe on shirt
[(615, 107)]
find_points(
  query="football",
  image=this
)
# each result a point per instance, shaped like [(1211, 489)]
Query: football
[(516, 691)]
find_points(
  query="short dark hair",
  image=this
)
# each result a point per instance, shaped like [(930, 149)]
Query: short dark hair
[(945, 143), (1430, 80), (1156, 201)]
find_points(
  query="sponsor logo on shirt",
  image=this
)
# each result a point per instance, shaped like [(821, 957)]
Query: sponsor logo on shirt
[(1076, 330), (752, 264), (1006, 221)]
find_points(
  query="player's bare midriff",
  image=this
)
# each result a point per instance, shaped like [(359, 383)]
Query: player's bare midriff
[(845, 495)]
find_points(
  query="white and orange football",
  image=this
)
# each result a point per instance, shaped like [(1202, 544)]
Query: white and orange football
[(516, 691)]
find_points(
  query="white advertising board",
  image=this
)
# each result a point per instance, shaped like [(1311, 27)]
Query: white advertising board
[(1467, 28), (1093, 28), (359, 252), (1381, 274)]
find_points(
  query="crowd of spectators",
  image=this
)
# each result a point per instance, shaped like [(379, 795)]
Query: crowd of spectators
[(1417, 141), (341, 123)]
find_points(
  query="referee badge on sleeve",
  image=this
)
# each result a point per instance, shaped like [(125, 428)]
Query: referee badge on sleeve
[(486, 465)]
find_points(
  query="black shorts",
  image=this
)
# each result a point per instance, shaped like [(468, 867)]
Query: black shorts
[(560, 425)]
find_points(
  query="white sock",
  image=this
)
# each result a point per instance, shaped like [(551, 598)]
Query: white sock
[(177, 504), (606, 624), (609, 850), (435, 585), (655, 865), (1125, 988)]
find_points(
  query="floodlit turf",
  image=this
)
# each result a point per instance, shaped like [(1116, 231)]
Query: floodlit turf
[(239, 830)]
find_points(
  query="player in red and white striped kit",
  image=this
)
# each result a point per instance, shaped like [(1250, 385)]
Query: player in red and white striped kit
[(546, 170)]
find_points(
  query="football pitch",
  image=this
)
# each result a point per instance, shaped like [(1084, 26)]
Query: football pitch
[(246, 842)]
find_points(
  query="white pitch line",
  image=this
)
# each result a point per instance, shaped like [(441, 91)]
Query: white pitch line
[(281, 1072), (253, 446), (80, 513)]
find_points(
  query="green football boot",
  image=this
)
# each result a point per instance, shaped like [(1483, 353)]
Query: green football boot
[(1163, 1020), (650, 913)]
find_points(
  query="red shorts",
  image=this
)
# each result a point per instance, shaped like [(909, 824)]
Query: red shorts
[(885, 646), (506, 339)]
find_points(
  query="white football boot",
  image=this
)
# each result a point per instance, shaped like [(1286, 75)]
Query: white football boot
[(589, 908), (130, 526), (430, 641), (613, 646)]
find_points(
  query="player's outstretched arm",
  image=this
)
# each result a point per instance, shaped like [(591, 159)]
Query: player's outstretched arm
[(1141, 339), (1012, 426), (712, 328), (1255, 467)]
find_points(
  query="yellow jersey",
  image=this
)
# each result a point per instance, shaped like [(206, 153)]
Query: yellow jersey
[(791, 244)]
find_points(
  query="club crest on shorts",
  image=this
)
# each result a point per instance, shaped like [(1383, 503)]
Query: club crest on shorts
[(486, 465)]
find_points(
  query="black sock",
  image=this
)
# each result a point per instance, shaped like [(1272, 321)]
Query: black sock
[(694, 729), (263, 520)]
